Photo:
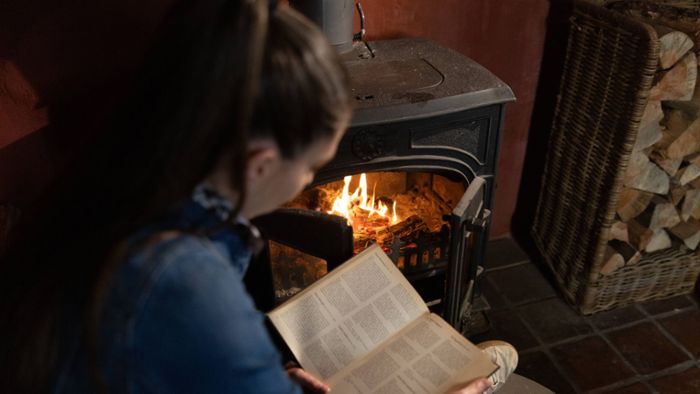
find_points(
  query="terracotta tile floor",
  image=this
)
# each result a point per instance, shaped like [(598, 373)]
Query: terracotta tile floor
[(652, 347)]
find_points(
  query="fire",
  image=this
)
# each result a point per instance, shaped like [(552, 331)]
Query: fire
[(358, 203)]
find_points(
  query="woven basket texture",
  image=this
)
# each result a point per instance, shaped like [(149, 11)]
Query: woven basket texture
[(610, 62)]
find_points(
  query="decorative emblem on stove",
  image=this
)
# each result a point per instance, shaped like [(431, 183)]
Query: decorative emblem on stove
[(368, 144)]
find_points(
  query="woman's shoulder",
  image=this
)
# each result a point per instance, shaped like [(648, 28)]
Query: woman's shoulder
[(168, 246), (179, 283), (171, 272), (178, 261), (192, 323)]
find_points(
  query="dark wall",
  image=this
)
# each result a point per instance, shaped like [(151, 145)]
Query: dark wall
[(507, 37), (62, 64)]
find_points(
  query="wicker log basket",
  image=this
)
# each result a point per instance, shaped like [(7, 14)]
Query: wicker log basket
[(610, 63)]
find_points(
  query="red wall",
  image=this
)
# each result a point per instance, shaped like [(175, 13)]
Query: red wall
[(507, 37), (78, 54)]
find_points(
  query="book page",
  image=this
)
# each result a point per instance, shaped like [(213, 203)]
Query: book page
[(426, 357), (348, 313)]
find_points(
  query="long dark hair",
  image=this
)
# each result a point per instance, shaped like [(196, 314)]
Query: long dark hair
[(199, 90), (303, 92)]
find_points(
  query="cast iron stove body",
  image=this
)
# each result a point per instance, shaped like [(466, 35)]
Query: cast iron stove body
[(422, 108)]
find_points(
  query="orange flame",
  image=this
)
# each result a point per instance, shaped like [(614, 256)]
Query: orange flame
[(359, 203)]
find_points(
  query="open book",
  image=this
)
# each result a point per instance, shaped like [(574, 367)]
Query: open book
[(364, 329)]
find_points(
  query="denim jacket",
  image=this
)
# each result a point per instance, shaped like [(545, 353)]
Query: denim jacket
[(178, 318)]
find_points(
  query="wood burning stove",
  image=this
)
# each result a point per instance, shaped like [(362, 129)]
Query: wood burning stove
[(426, 117)]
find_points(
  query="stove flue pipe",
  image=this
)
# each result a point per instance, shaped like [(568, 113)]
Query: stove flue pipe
[(334, 17)]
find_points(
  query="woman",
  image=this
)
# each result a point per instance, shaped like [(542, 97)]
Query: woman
[(132, 279)]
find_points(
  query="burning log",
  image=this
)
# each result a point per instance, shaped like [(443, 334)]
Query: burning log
[(425, 203), (367, 227), (406, 230)]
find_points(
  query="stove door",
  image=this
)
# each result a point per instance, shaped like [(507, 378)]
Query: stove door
[(316, 234), (469, 223)]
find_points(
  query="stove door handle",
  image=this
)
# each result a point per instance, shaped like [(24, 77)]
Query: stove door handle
[(481, 222), (359, 36)]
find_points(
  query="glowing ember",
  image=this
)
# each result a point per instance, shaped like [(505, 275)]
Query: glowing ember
[(359, 206)]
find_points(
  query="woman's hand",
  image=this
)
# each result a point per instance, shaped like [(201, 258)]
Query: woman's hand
[(477, 386), (308, 382)]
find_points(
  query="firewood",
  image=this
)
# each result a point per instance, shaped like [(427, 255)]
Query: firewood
[(404, 229), (611, 261), (675, 14), (649, 128), (691, 205), (618, 231), (639, 234), (678, 83), (688, 174), (673, 44), (687, 143), (661, 213), (644, 175), (695, 184), (694, 159), (658, 241), (676, 122), (688, 232), (671, 166), (691, 108), (635, 166), (677, 193), (632, 202), (629, 254), (428, 194)]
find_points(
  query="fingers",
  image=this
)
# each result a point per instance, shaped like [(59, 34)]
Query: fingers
[(307, 381), (477, 386)]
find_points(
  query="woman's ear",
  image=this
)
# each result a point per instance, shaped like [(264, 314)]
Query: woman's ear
[(263, 159)]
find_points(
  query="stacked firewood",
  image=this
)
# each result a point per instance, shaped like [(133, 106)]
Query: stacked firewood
[(659, 204)]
